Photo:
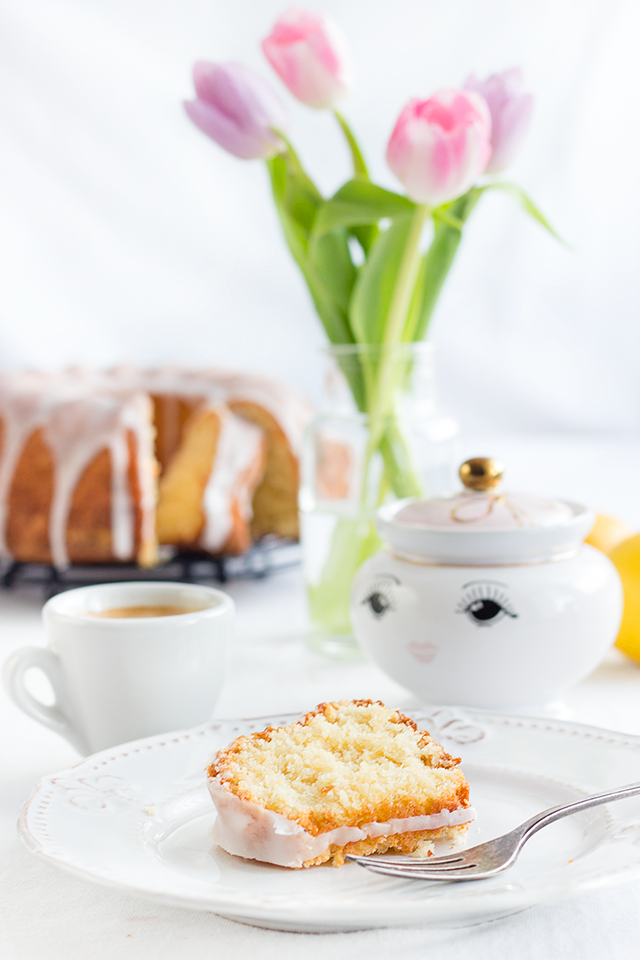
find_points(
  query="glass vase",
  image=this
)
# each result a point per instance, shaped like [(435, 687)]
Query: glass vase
[(379, 437)]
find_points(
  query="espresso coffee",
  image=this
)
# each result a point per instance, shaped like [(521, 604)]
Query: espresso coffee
[(128, 613)]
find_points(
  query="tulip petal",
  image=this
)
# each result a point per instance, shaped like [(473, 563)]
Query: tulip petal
[(440, 146), (311, 57), (237, 109), (511, 129), (510, 110), (235, 90), (227, 134)]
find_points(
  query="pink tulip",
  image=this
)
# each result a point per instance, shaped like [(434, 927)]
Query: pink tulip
[(310, 55), (440, 146), (510, 110), (237, 109)]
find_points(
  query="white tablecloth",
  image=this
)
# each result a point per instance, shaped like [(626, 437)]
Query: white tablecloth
[(50, 916)]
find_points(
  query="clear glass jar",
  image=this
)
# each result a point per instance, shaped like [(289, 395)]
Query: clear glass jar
[(380, 437)]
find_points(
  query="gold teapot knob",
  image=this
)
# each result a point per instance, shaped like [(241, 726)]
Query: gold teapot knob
[(481, 473)]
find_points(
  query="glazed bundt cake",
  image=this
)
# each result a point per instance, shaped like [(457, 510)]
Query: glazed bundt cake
[(81, 453)]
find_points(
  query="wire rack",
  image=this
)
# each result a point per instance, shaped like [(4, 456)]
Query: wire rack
[(265, 557)]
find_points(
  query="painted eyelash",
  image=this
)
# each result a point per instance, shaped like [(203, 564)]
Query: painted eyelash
[(380, 598), (486, 603)]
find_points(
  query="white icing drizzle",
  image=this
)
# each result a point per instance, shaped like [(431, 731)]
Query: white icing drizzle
[(248, 830), (141, 423), (76, 432), (289, 408), (122, 517), (22, 413), (232, 479), (291, 411), (79, 418)]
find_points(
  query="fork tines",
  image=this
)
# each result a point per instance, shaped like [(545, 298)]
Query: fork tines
[(421, 863), (436, 868)]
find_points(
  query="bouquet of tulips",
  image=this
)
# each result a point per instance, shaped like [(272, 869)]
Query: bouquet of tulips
[(360, 250), (384, 291)]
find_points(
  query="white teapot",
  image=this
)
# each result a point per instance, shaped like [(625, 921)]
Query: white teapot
[(486, 599)]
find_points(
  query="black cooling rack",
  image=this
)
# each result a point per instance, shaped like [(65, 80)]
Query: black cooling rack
[(265, 557)]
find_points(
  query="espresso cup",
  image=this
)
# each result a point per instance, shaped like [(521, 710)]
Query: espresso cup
[(123, 664)]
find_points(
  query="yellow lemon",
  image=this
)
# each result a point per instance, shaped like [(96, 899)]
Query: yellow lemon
[(626, 557), (607, 533)]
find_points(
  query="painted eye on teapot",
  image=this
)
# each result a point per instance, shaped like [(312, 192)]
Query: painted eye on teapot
[(381, 596), (485, 602)]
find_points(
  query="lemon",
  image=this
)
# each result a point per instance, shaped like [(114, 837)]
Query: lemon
[(626, 557), (607, 533)]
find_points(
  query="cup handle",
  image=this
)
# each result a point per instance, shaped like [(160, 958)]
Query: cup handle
[(55, 717)]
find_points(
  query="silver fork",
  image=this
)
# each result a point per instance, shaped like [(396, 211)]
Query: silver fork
[(488, 858)]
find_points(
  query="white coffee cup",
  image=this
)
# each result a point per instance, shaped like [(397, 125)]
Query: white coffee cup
[(117, 679)]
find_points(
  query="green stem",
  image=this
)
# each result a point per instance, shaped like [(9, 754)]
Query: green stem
[(380, 407), (407, 274), (399, 470), (437, 262), (359, 166)]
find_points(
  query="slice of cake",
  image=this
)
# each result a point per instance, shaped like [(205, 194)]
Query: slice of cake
[(349, 777), (205, 494)]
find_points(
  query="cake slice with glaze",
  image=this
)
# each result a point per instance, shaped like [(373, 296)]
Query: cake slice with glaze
[(349, 777)]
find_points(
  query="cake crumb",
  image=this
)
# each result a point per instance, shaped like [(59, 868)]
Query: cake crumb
[(424, 849)]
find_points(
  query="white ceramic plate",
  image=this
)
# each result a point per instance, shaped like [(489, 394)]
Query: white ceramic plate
[(136, 818)]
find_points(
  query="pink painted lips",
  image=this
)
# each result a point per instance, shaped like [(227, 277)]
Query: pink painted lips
[(423, 652)]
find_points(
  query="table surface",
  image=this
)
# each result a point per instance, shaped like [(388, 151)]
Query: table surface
[(47, 914)]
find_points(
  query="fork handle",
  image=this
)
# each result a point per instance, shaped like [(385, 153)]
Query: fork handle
[(529, 827)]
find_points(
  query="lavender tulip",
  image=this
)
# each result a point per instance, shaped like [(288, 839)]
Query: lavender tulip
[(510, 110), (238, 109)]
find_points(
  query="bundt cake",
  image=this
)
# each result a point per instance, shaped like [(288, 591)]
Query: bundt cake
[(349, 777), (81, 453)]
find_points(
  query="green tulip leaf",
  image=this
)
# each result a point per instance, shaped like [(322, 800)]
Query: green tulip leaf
[(360, 202), (375, 284), (526, 203), (366, 235), (360, 171), (294, 190), (436, 263), (297, 200), (442, 214), (331, 258)]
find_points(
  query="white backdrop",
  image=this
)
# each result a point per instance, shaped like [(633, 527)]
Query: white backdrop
[(127, 235)]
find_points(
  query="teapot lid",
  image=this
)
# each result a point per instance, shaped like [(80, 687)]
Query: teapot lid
[(483, 524)]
